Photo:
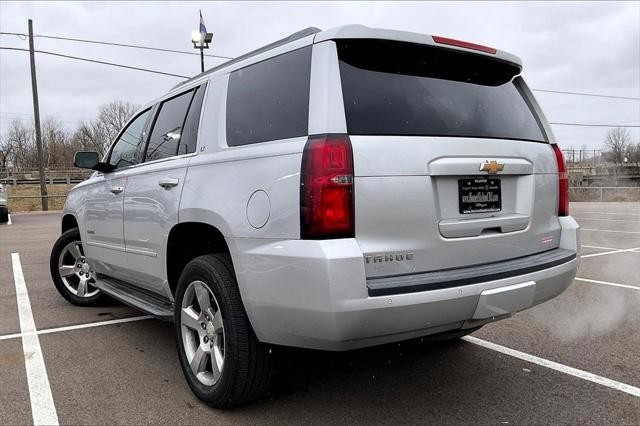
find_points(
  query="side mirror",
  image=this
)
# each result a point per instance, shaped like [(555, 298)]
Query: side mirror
[(89, 160), (86, 159)]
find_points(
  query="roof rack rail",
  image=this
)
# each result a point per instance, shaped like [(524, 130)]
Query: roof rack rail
[(295, 36)]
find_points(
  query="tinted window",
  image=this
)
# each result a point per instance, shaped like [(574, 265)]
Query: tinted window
[(123, 153), (394, 88), (189, 137), (269, 100), (167, 128)]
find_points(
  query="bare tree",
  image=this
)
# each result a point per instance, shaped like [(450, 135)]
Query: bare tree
[(90, 136), (6, 150), (21, 139), (617, 141), (633, 152), (98, 134), (56, 142), (113, 116)]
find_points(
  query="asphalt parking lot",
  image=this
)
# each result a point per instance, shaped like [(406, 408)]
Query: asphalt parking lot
[(574, 359)]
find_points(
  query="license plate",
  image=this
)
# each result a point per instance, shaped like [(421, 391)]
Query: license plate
[(479, 195)]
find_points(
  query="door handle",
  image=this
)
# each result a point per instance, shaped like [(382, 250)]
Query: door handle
[(117, 189), (168, 183)]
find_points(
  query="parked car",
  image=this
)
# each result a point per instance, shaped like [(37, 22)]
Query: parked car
[(333, 190), (4, 209)]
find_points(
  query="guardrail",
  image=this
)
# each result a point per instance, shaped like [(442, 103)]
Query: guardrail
[(49, 181)]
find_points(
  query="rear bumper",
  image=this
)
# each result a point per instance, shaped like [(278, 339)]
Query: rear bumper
[(470, 275), (314, 294)]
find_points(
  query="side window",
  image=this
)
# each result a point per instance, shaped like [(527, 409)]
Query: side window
[(269, 100), (189, 138), (167, 128), (123, 153)]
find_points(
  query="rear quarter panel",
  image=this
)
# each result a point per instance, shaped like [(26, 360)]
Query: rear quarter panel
[(220, 179)]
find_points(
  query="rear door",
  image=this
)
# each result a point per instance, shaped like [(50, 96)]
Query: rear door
[(153, 191), (452, 165)]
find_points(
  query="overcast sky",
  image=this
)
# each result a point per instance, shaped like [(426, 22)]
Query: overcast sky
[(574, 46)]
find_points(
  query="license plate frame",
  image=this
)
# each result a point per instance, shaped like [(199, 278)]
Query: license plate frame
[(479, 195)]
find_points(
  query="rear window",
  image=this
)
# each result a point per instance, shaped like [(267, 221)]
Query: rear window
[(269, 100), (397, 88)]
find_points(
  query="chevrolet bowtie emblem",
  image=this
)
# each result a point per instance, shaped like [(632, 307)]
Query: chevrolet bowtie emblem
[(492, 167)]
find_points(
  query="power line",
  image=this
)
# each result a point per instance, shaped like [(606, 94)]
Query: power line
[(135, 46), (594, 125), (586, 94), (96, 61), (107, 43), (21, 36)]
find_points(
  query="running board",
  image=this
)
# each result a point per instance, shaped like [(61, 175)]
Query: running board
[(136, 297)]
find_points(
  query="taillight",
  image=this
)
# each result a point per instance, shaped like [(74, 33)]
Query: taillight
[(465, 44), (563, 183), (326, 188)]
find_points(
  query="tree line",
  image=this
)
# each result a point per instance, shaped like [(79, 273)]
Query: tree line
[(617, 148), (18, 145)]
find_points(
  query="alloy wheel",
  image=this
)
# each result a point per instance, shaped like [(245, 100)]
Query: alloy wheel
[(76, 274), (202, 330)]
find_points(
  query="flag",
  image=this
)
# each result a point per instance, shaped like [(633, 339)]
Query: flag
[(203, 29)]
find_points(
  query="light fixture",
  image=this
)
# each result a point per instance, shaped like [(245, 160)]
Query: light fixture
[(196, 37)]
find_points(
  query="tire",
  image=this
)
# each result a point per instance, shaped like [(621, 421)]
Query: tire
[(67, 257), (4, 215), (246, 369)]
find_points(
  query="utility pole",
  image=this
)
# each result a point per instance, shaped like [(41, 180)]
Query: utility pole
[(36, 116)]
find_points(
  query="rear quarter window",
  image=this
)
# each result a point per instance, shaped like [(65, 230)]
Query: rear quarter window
[(269, 100), (397, 88)]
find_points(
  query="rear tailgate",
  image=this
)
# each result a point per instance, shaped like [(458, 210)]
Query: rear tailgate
[(412, 211), (452, 166)]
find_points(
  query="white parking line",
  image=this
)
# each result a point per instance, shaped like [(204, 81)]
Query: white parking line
[(601, 248), (8, 219), (607, 283), (584, 375), (43, 410), (610, 252), (79, 326), (609, 230)]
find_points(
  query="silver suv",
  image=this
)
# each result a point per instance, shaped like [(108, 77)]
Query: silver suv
[(333, 190)]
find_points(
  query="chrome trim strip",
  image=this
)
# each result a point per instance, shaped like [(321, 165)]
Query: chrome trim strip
[(124, 249), (142, 252), (103, 245)]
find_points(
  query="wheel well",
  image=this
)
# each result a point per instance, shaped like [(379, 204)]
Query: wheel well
[(69, 222), (186, 242)]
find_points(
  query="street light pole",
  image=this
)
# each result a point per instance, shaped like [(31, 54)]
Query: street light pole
[(201, 58)]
